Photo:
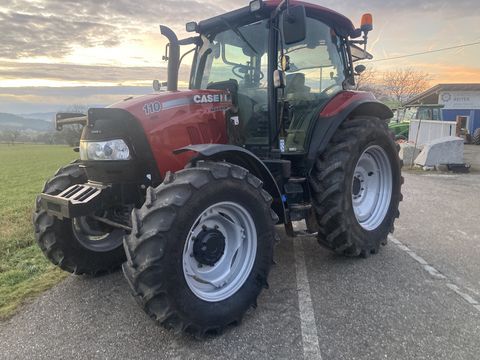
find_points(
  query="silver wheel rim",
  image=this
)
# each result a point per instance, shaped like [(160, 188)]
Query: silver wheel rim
[(372, 187), (82, 228), (221, 280), (93, 239)]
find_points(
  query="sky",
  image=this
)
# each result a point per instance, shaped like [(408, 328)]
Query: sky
[(55, 53)]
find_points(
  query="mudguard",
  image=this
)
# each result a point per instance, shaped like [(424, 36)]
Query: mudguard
[(246, 159), (344, 105)]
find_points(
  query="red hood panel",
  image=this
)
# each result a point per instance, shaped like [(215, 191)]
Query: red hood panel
[(172, 120)]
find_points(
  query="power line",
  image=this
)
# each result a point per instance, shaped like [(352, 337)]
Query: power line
[(427, 52)]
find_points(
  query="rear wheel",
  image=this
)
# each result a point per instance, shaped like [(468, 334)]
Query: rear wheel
[(476, 137), (80, 245), (201, 248), (356, 183)]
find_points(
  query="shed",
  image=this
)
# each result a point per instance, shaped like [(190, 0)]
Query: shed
[(457, 100)]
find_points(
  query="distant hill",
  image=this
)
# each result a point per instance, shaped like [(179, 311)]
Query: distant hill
[(16, 122), (47, 116)]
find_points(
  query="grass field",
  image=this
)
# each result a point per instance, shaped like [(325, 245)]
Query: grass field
[(24, 272)]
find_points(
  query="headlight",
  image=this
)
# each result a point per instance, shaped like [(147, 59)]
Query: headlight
[(104, 150)]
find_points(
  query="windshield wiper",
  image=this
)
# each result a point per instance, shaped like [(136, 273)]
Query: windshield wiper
[(239, 34)]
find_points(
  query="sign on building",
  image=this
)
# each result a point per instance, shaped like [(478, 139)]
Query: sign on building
[(460, 99)]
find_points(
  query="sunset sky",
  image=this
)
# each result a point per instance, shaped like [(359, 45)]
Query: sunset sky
[(54, 53)]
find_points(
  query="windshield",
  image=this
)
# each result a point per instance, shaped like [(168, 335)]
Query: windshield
[(238, 56), (237, 53)]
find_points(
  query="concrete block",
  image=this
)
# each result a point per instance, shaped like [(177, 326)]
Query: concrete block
[(446, 150), (407, 153)]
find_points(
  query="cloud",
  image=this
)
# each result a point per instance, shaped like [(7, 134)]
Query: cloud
[(27, 35), (118, 32), (48, 99), (429, 7), (53, 28), (86, 73)]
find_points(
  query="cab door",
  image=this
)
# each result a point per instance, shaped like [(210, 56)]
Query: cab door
[(315, 73)]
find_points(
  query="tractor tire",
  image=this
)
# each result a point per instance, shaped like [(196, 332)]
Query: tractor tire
[(357, 183), (201, 248), (64, 243), (476, 137)]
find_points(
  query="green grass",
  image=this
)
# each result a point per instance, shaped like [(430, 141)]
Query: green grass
[(24, 271)]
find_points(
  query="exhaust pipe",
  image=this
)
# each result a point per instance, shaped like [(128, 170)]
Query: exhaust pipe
[(173, 57)]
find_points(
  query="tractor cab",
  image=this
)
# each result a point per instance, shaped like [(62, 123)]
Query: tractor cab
[(281, 63)]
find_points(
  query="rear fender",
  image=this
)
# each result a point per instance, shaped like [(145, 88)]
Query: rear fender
[(345, 105), (246, 159)]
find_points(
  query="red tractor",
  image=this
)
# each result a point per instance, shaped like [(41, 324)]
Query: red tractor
[(185, 187)]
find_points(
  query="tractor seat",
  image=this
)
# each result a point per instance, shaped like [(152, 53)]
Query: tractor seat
[(243, 104), (230, 85), (295, 89)]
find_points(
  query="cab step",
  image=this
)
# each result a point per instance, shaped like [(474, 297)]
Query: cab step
[(300, 207)]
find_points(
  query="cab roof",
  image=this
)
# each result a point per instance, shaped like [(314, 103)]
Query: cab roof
[(341, 24)]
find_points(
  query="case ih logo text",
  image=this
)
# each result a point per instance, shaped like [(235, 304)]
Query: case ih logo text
[(205, 99)]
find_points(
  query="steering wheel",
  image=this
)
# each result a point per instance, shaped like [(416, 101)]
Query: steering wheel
[(240, 71)]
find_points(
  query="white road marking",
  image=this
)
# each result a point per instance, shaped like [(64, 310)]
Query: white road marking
[(428, 268), (462, 232), (466, 297), (436, 274), (311, 348)]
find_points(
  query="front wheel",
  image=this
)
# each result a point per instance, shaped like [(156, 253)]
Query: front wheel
[(201, 247), (357, 187), (80, 245)]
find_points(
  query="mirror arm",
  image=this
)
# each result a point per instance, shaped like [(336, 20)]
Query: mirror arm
[(365, 40), (189, 41), (278, 9)]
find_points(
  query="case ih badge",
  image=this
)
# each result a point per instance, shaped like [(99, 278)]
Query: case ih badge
[(211, 98), (188, 204)]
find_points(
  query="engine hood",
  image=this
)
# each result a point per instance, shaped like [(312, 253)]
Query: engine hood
[(164, 103), (172, 120)]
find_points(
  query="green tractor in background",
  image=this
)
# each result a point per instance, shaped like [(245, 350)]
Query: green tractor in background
[(400, 123)]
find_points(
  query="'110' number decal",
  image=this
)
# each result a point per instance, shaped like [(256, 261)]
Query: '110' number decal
[(152, 107)]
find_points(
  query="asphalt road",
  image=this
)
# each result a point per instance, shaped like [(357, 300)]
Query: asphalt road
[(417, 299)]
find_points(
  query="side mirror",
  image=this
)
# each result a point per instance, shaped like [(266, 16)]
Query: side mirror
[(256, 5), (360, 69), (191, 26), (294, 24)]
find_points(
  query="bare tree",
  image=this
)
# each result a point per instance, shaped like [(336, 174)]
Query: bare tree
[(365, 80), (402, 85), (369, 81)]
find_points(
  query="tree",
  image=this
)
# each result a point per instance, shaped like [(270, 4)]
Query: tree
[(365, 80), (402, 85), (10, 136), (368, 81)]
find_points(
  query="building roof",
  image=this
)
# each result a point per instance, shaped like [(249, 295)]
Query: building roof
[(431, 95)]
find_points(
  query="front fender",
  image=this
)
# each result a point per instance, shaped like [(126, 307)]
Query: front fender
[(246, 159)]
